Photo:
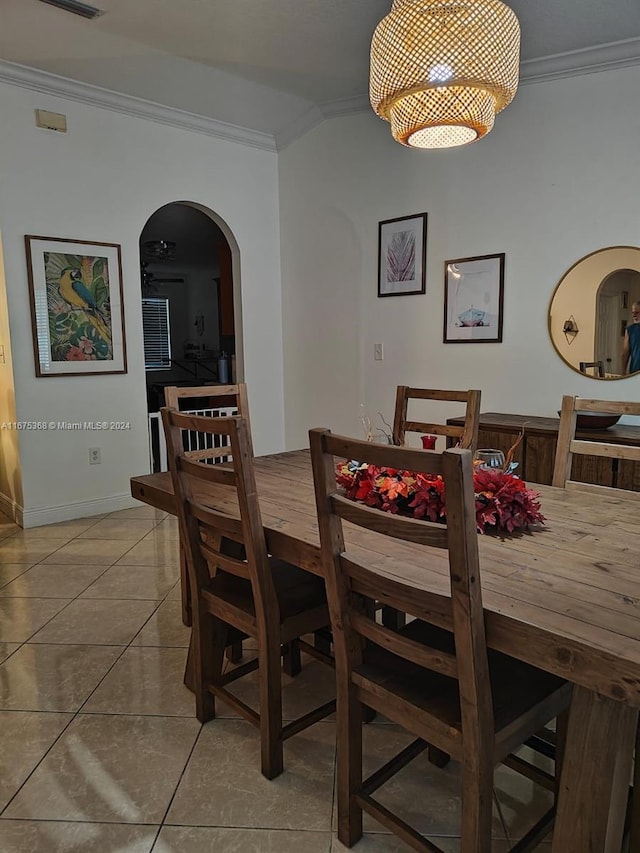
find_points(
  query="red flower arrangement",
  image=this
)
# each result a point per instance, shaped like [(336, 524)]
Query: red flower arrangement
[(503, 501)]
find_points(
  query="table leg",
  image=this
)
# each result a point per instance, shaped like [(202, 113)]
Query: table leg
[(595, 775), (622, 778), (634, 830)]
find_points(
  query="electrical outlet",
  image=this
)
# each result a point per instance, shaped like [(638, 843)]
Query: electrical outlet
[(95, 456), (378, 352)]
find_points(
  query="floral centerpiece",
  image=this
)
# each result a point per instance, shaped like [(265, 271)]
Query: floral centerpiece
[(503, 501)]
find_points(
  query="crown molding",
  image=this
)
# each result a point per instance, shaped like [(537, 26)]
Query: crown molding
[(298, 127), (96, 96), (571, 64), (588, 60), (346, 106), (317, 114)]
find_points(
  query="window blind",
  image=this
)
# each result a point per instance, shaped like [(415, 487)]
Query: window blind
[(155, 328)]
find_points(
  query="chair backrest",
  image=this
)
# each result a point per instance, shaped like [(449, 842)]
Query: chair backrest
[(348, 577), (237, 395), (466, 435), (216, 401), (597, 366), (568, 445), (236, 516)]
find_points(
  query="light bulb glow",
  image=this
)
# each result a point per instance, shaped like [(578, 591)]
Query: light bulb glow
[(440, 73)]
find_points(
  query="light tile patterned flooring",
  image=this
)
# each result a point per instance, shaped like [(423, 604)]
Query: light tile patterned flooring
[(100, 750)]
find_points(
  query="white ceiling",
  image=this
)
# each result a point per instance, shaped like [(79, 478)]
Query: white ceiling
[(266, 64)]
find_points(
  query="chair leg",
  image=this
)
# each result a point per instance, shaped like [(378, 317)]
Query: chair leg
[(234, 652), (322, 642), (477, 806), (206, 654), (291, 659), (349, 763), (185, 590), (270, 708), (392, 618), (437, 757)]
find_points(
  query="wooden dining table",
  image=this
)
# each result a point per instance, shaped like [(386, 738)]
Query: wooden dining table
[(563, 596)]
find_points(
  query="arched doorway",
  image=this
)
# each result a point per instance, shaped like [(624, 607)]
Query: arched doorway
[(189, 265), (614, 298)]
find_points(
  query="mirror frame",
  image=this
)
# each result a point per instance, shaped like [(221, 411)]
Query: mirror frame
[(562, 280)]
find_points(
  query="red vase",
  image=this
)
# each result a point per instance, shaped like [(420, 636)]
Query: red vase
[(428, 442)]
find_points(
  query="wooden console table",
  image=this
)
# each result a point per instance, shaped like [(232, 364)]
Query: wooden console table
[(536, 452)]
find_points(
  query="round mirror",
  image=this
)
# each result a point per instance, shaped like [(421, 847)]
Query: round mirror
[(594, 316)]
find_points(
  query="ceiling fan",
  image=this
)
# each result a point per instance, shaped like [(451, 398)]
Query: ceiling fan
[(150, 280), (158, 251)]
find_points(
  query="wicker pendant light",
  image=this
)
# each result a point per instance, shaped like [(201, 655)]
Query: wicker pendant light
[(442, 69)]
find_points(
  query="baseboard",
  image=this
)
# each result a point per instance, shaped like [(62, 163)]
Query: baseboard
[(82, 509), (9, 507)]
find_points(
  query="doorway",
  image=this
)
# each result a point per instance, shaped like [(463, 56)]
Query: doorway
[(190, 301), (614, 298)]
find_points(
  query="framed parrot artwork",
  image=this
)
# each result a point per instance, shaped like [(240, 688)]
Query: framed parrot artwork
[(77, 310)]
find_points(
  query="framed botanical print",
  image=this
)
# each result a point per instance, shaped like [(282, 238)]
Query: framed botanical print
[(473, 299), (77, 312), (402, 255)]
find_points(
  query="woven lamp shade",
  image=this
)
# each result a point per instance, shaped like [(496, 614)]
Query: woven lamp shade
[(442, 69)]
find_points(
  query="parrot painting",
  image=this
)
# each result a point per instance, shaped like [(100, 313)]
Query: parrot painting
[(78, 307), (75, 292)]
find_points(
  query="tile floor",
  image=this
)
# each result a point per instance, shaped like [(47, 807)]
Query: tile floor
[(100, 750)]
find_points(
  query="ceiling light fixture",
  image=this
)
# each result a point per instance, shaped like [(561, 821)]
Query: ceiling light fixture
[(159, 250), (442, 69), (76, 8)]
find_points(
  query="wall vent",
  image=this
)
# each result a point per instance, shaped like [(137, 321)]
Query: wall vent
[(51, 121)]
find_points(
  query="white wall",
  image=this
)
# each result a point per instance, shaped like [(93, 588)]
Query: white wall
[(557, 178), (102, 181)]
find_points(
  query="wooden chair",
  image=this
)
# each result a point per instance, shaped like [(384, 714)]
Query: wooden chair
[(256, 596), (467, 436), (436, 678), (217, 401), (567, 444), (597, 366), (566, 447), (233, 401), (237, 395)]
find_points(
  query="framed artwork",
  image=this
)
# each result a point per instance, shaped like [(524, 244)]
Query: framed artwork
[(473, 300), (402, 255), (77, 313)]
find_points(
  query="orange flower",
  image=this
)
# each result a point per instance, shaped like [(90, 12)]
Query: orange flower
[(392, 487)]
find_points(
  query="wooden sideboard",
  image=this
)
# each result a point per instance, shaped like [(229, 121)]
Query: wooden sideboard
[(536, 452)]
